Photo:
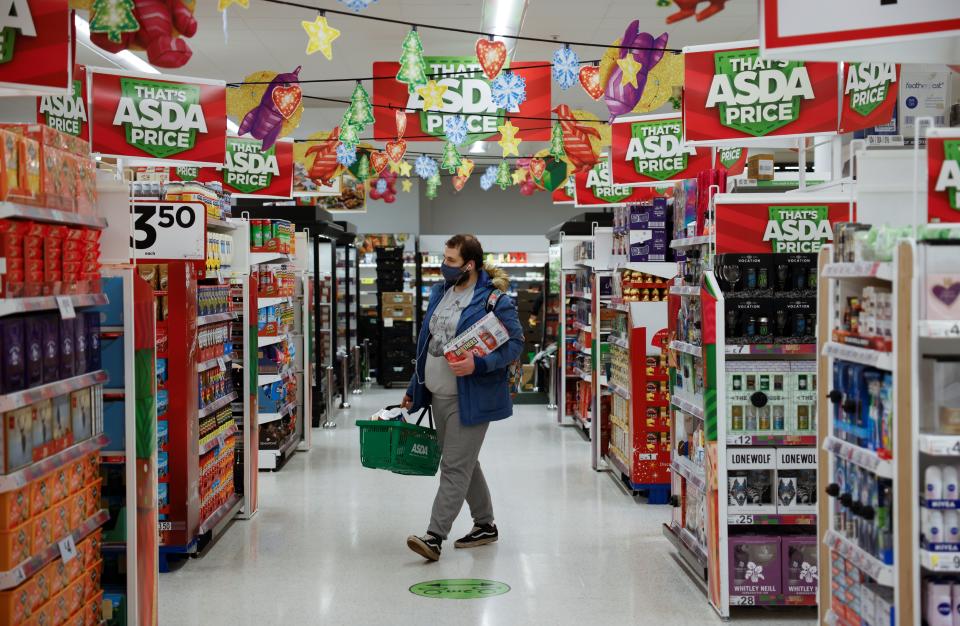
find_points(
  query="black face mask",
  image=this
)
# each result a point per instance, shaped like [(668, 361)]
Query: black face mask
[(453, 275)]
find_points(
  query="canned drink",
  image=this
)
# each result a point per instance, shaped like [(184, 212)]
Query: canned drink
[(256, 234)]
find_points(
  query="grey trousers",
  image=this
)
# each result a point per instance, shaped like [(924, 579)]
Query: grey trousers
[(460, 474)]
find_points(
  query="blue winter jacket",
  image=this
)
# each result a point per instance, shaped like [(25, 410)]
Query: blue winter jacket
[(484, 395)]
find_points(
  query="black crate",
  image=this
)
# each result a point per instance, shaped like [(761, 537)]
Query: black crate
[(391, 253)]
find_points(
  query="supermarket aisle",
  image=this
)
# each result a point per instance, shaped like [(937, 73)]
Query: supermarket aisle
[(328, 545)]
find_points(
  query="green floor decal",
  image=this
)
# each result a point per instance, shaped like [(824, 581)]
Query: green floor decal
[(460, 588)]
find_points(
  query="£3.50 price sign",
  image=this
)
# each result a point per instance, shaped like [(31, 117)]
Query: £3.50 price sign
[(169, 231)]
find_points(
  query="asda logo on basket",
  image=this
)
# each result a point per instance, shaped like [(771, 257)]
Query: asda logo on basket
[(757, 96), (948, 179), (160, 118), (67, 114), (248, 167), (600, 185), (657, 150), (798, 228), (420, 449), (867, 85)]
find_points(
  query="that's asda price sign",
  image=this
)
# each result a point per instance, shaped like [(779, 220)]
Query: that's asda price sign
[(734, 160), (943, 175), (158, 118), (248, 169), (869, 95), (35, 52), (468, 93), (595, 187), (759, 226), (67, 113), (732, 94), (648, 150)]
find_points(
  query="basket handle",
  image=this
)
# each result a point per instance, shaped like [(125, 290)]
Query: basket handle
[(429, 413)]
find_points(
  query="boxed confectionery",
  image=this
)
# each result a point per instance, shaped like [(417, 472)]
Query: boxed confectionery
[(755, 565), (18, 439), (940, 395), (482, 338), (800, 571), (941, 283), (750, 480), (796, 479)]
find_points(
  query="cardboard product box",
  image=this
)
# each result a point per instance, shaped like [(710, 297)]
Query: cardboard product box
[(41, 495), (802, 415), (51, 348), (390, 298), (14, 507), (796, 480), (92, 325), (758, 397), (750, 480), (81, 414), (755, 566), (14, 355), (796, 319), (794, 272), (747, 274), (43, 430), (750, 320), (16, 605), (62, 423), (33, 350), (80, 343), (398, 312), (760, 167), (18, 437)]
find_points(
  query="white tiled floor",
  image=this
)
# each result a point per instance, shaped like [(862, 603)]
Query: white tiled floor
[(328, 545)]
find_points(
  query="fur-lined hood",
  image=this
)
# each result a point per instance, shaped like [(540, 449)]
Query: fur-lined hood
[(499, 278)]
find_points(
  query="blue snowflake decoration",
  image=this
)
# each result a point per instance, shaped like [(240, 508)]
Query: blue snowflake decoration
[(426, 167), (509, 91), (357, 5), (566, 67), (381, 186), (455, 128), (346, 154), (489, 177)]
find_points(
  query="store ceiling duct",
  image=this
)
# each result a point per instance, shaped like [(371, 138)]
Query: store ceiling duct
[(504, 17)]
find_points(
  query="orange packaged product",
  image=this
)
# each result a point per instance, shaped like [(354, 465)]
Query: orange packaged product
[(60, 518), (16, 605), (58, 577), (53, 185), (15, 546), (31, 159), (95, 610), (14, 507), (42, 616), (76, 595), (93, 498), (78, 507), (76, 479), (60, 484), (9, 164), (61, 606), (45, 586), (94, 549), (74, 569), (41, 532), (91, 469), (41, 494), (91, 579)]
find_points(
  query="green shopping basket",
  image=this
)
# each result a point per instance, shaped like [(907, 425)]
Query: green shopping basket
[(399, 446)]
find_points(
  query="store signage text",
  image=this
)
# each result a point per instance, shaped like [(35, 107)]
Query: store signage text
[(68, 113), (248, 168), (943, 165), (657, 149), (161, 119), (868, 84), (16, 14), (798, 229), (599, 183), (169, 230), (468, 93)]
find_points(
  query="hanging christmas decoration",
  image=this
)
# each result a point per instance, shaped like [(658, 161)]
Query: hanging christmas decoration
[(537, 167), (325, 166), (426, 167), (432, 94), (320, 36), (357, 5), (455, 129), (158, 28), (223, 5), (405, 168), (488, 178), (590, 81), (413, 69), (628, 75), (280, 102), (400, 117), (433, 183), (508, 139), (346, 154), (348, 132), (664, 84), (554, 173), (385, 188), (381, 187), (556, 142), (451, 158), (509, 91), (491, 55), (689, 7), (459, 182), (504, 178), (362, 168), (518, 176), (378, 160), (396, 149), (576, 139), (113, 18), (566, 67), (466, 168), (407, 185), (360, 111)]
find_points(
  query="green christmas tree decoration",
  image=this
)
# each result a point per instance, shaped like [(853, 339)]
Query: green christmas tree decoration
[(413, 69), (348, 132), (504, 179), (363, 167), (451, 158), (556, 143), (433, 183), (113, 17), (360, 111)]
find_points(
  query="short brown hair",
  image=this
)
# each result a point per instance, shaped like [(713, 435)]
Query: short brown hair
[(469, 248)]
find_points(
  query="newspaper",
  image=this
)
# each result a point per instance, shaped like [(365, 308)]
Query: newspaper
[(482, 338)]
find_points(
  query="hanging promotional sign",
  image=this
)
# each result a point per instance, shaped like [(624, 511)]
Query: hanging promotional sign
[(595, 187), (732, 94), (859, 29), (35, 52), (734, 160), (564, 194), (869, 95), (146, 117), (943, 175), (777, 223), (647, 150), (67, 112), (248, 170), (467, 92)]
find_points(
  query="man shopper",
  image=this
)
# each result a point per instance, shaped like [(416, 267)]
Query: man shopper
[(465, 396)]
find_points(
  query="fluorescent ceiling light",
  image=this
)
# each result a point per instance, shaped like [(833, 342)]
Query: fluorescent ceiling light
[(478, 147), (504, 17), (124, 58)]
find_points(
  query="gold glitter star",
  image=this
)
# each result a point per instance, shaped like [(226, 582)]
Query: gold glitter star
[(432, 94), (466, 168), (224, 4), (509, 141), (630, 68), (406, 185), (519, 176), (321, 36), (405, 168)]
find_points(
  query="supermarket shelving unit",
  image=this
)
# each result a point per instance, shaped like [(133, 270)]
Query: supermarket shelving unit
[(573, 380)]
